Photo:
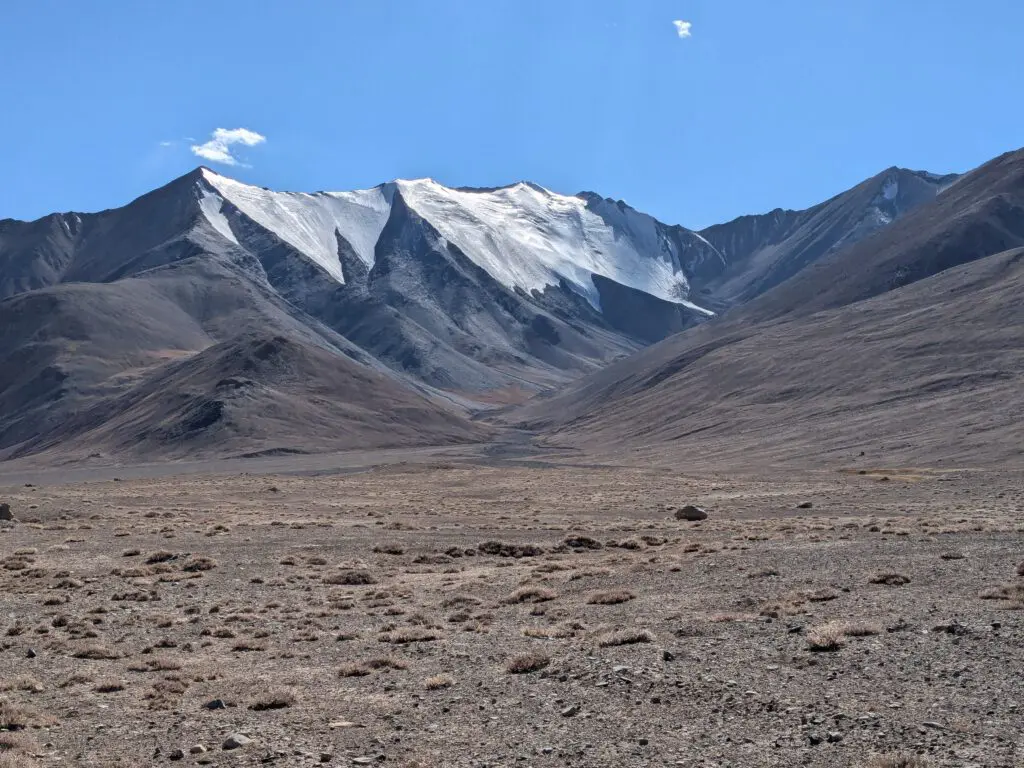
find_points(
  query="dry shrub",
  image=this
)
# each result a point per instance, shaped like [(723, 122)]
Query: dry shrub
[(549, 633), (109, 685), (890, 579), (438, 682), (389, 549), (826, 638), (582, 542), (504, 549), (1010, 592), (1020, 569), (160, 557), (730, 617), (531, 595), (611, 597), (163, 664), (197, 564), (386, 662), (247, 646), (353, 578), (460, 601), (859, 628), (405, 635), (16, 717), (16, 748), (95, 652), (527, 662), (353, 670), (21, 683), (821, 595), (275, 698), (625, 637)]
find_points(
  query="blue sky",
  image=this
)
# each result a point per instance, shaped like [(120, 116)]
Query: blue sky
[(765, 104)]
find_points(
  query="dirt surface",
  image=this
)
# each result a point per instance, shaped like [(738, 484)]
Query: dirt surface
[(446, 614)]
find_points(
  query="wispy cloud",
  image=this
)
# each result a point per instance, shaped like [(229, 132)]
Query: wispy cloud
[(683, 28), (218, 148)]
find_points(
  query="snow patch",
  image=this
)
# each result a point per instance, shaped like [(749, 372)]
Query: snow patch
[(891, 189), (523, 236), (528, 237), (211, 205), (309, 223)]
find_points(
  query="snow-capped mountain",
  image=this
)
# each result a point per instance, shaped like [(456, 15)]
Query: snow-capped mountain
[(442, 300), (524, 236)]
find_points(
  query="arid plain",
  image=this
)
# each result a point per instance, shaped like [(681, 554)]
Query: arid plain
[(466, 612)]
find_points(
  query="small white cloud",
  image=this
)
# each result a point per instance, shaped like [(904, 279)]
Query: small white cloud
[(167, 143), (218, 149), (683, 28)]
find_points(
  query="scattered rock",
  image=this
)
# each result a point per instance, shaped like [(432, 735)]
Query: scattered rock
[(215, 704), (236, 741), (571, 711), (5, 512), (834, 737), (30, 654), (805, 505), (691, 513), (667, 655), (197, 749), (177, 754)]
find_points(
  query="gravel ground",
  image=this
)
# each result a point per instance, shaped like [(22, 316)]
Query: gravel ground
[(459, 615)]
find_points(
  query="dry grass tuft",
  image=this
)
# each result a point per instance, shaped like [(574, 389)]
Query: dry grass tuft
[(531, 595), (354, 669), (406, 635), (16, 717), (438, 682), (1011, 592), (549, 633), (197, 564), (95, 652), (890, 579), (503, 549), (527, 662), (350, 578), (582, 542), (109, 685), (387, 662), (162, 556), (832, 636), (275, 698), (16, 750), (611, 597), (625, 637)]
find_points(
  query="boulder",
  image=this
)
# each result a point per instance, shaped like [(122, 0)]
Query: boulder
[(691, 513), (5, 512)]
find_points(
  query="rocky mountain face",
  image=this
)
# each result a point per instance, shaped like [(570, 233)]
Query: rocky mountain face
[(905, 344), (459, 298), (756, 253)]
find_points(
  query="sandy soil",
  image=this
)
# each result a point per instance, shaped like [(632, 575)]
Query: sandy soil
[(473, 615)]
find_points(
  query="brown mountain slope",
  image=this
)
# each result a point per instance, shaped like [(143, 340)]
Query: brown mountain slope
[(979, 215), (255, 394), (933, 372)]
